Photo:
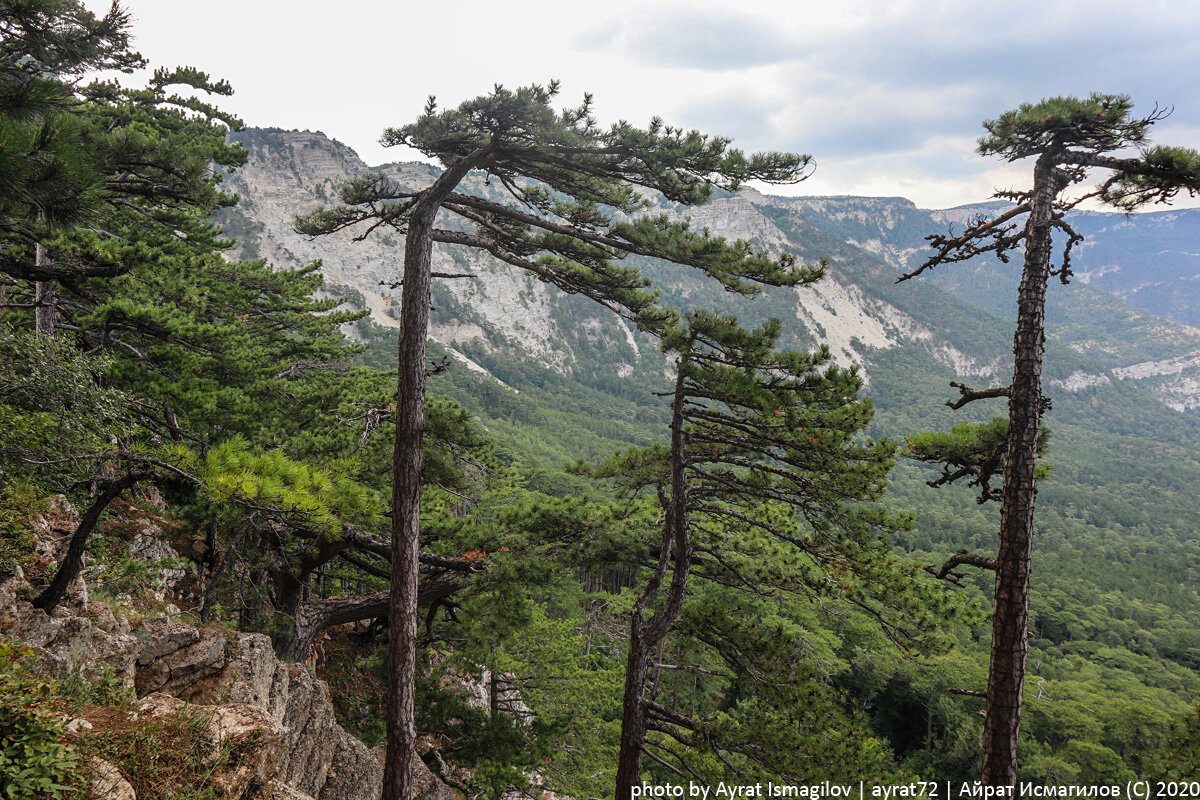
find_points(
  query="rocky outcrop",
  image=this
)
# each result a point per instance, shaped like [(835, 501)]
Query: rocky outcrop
[(66, 642), (256, 738), (280, 716), (175, 657)]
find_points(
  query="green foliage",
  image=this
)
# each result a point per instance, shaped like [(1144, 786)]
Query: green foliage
[(320, 499), (54, 408), (1076, 130), (1168, 169), (46, 179), (1178, 755), (1101, 122), (495, 748), (974, 451), (575, 176), (18, 502), (241, 360), (35, 759), (98, 684)]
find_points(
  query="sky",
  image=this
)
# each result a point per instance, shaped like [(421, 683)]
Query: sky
[(887, 96)]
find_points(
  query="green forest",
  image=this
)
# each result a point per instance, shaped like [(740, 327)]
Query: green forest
[(712, 554)]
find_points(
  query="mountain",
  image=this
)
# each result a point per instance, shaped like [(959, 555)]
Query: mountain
[(499, 307), (565, 379), (1121, 339), (1150, 260), (857, 311)]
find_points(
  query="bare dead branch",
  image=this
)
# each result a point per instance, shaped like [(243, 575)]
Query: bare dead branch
[(969, 395)]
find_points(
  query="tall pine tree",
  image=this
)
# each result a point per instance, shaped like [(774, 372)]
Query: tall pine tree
[(576, 211), (1069, 138), (767, 488)]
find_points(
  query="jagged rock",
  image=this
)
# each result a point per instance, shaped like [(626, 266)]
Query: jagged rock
[(258, 740), (279, 715), (163, 636), (176, 656), (312, 732), (53, 528), (64, 642), (318, 760), (476, 692), (426, 785), (11, 588), (159, 705), (108, 783), (106, 621), (146, 545), (354, 774), (251, 674)]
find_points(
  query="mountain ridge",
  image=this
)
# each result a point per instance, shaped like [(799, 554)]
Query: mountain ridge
[(857, 309)]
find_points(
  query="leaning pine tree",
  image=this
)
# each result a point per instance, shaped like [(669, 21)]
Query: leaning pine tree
[(766, 445), (577, 210), (1069, 138)]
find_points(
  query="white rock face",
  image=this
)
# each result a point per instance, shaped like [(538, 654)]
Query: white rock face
[(1175, 381), (840, 318), (502, 307), (302, 171), (1079, 380), (1151, 369)]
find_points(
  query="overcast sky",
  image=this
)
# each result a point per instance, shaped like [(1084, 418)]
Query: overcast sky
[(888, 96)]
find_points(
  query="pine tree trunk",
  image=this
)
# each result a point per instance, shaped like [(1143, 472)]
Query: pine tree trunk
[(406, 477), (645, 636), (406, 504), (1010, 636), (45, 314), (633, 715)]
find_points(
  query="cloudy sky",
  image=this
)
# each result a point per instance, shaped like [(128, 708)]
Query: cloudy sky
[(888, 96)]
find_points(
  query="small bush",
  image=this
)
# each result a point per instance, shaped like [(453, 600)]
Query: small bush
[(36, 760), (17, 504)]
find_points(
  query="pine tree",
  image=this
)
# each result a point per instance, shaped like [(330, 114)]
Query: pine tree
[(575, 213), (1068, 138), (766, 488), (128, 268), (45, 182)]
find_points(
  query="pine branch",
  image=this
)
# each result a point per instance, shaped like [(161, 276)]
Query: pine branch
[(969, 395), (967, 245)]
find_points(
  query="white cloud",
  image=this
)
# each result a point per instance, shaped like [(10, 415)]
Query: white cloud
[(887, 95)]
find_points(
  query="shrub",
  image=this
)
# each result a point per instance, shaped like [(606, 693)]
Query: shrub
[(36, 761)]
